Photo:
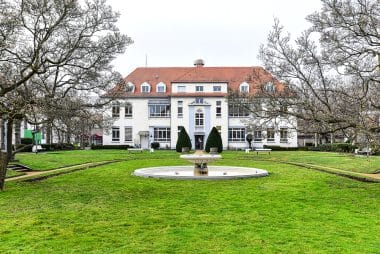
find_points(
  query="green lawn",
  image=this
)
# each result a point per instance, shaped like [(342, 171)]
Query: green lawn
[(107, 210), (343, 161)]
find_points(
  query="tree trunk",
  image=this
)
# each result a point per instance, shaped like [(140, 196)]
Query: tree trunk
[(2, 135), (3, 169), (48, 134), (9, 140)]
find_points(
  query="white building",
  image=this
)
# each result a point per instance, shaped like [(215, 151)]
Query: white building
[(154, 103)]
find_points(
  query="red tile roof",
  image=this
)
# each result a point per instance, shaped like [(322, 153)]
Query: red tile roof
[(234, 76)]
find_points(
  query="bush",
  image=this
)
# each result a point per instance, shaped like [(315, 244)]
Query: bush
[(337, 147), (155, 145), (97, 147), (183, 140), (24, 148), (279, 148), (214, 140)]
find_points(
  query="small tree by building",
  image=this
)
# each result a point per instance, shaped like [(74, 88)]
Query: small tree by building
[(183, 140), (214, 140)]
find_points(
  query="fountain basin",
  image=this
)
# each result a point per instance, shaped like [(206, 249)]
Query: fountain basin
[(188, 173)]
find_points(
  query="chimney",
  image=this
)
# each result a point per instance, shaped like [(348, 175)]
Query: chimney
[(199, 63)]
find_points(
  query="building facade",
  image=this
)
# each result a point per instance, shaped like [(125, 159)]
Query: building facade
[(154, 103)]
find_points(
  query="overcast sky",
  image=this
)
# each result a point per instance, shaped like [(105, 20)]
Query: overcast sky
[(221, 32)]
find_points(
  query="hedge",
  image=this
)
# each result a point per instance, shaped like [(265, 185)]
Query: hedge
[(338, 147), (96, 147)]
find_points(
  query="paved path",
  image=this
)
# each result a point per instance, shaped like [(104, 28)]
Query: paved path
[(31, 174)]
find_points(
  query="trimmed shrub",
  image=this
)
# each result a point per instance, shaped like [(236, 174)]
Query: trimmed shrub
[(183, 140), (214, 140)]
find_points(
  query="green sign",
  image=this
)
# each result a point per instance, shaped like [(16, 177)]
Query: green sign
[(37, 136)]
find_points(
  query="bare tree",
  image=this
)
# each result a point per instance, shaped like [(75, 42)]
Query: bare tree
[(63, 45), (331, 70)]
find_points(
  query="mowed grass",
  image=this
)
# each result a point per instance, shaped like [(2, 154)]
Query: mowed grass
[(349, 162), (107, 210), (51, 160)]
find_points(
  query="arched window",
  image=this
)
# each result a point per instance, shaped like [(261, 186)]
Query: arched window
[(128, 110), (161, 88), (244, 87), (199, 118), (145, 87), (130, 87)]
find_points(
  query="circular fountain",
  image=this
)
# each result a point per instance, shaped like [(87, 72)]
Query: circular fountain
[(200, 170)]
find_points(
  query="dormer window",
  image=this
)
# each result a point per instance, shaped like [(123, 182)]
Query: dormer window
[(244, 87), (130, 87), (269, 87), (145, 88), (161, 88)]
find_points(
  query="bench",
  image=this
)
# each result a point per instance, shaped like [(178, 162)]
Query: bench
[(265, 150), (135, 150), (364, 151)]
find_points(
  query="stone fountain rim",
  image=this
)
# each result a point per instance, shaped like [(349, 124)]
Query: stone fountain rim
[(140, 172)]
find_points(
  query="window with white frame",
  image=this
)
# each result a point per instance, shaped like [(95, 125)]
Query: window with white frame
[(180, 108), (159, 110), (116, 110), (283, 135), (161, 134), (244, 87), (218, 108), (128, 110), (128, 134), (238, 110), (145, 88), (236, 134), (199, 118), (181, 89), (257, 136), (199, 88), (161, 88), (199, 100), (115, 134), (217, 88), (270, 135)]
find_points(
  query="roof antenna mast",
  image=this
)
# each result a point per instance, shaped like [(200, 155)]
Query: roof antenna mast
[(146, 60)]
